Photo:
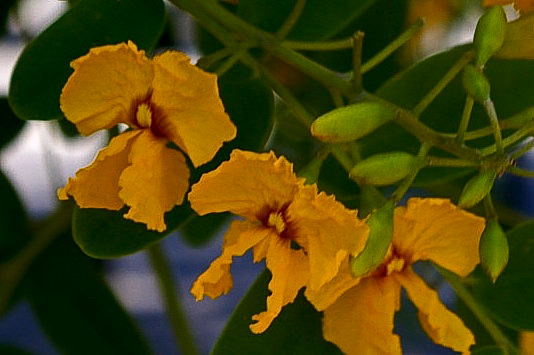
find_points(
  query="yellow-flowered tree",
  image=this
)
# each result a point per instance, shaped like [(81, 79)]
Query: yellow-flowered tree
[(379, 174)]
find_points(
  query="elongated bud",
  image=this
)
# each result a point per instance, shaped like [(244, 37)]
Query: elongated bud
[(351, 122), (493, 249), (384, 169), (476, 84), (489, 34), (380, 235), (477, 188)]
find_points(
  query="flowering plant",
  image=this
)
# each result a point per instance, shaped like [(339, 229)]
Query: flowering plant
[(316, 135)]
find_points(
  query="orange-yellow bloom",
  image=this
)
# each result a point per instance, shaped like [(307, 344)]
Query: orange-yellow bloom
[(164, 99), (303, 235), (358, 313), (522, 6)]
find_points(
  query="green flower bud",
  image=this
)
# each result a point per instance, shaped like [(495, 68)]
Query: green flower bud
[(380, 235), (384, 169), (476, 84), (477, 188), (493, 249), (351, 122), (489, 34)]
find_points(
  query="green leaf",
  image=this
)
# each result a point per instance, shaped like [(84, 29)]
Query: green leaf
[(76, 308), (13, 221), (319, 19), (43, 67), (296, 330), (106, 234), (509, 300), (10, 124)]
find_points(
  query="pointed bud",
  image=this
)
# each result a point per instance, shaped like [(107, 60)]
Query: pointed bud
[(493, 249), (476, 188), (384, 169), (476, 84), (380, 235), (489, 34), (351, 122)]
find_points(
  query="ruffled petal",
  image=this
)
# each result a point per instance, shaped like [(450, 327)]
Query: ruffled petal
[(323, 297), (217, 280), (97, 186), (361, 320), (105, 86), (290, 272), (155, 182), (327, 231), (443, 326), (189, 99), (245, 185), (435, 229)]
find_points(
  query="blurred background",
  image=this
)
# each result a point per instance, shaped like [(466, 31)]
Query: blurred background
[(41, 158)]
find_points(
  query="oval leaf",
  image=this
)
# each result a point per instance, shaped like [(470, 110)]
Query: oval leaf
[(43, 67)]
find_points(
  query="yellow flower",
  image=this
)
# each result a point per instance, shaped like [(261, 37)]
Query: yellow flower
[(358, 313), (303, 235), (522, 6), (164, 99)]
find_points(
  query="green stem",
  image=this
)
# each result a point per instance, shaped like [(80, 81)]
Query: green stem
[(177, 317), (208, 10), (207, 61), (393, 46), (357, 40), (512, 139), (425, 134), (494, 123), (319, 46), (229, 63), (524, 149), (466, 116), (399, 193), (463, 293), (442, 83), (514, 170), (291, 20), (451, 162)]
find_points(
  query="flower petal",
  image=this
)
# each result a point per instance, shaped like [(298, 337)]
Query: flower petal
[(327, 231), (361, 320), (104, 87), (155, 182), (97, 186), (217, 280), (189, 98), (323, 297), (443, 326), (435, 229), (290, 272), (245, 185)]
